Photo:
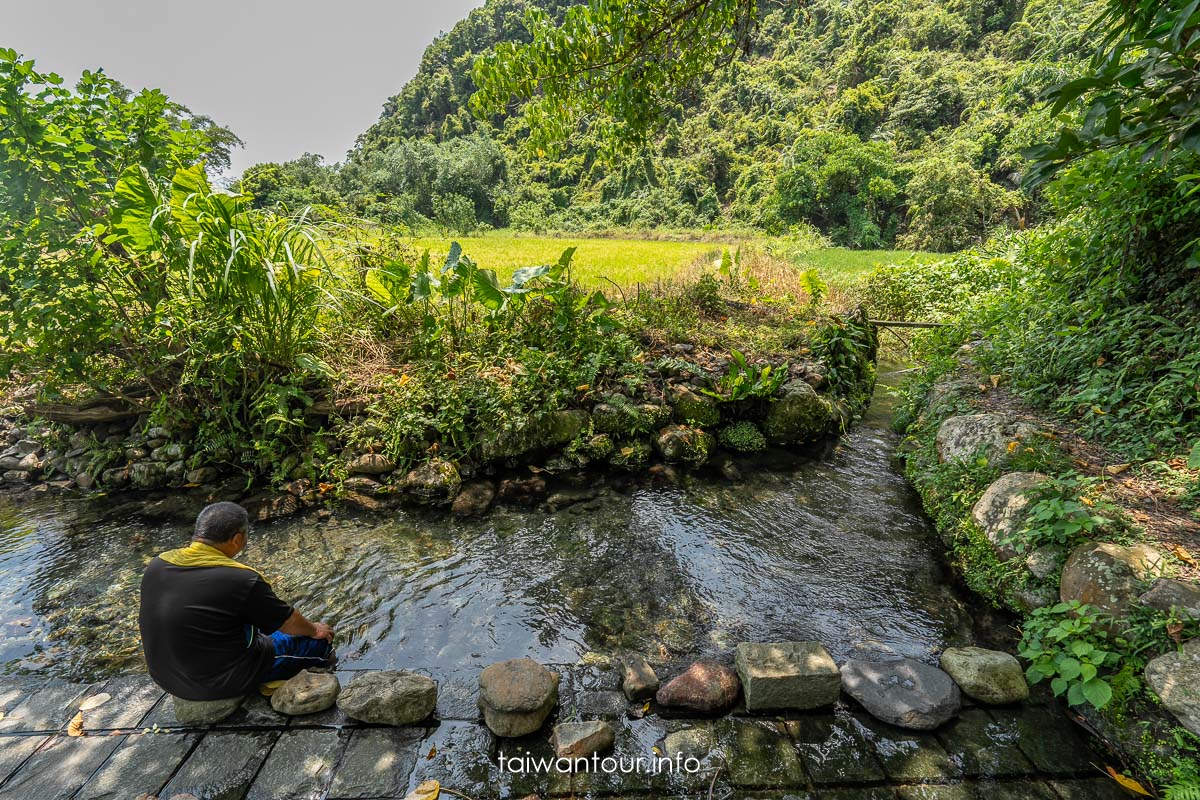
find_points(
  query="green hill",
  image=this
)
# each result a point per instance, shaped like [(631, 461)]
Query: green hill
[(875, 122)]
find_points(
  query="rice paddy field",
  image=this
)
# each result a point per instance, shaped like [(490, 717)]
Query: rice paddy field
[(601, 262)]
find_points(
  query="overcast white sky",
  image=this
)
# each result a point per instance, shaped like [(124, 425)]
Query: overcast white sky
[(288, 76)]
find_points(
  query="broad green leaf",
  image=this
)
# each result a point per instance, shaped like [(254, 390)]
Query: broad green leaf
[(1097, 692)]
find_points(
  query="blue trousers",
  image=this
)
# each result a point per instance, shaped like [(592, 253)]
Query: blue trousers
[(294, 653)]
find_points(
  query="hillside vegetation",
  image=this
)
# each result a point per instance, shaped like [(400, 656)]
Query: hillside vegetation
[(876, 123)]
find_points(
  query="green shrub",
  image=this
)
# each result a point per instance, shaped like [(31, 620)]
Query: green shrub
[(1066, 645), (744, 437)]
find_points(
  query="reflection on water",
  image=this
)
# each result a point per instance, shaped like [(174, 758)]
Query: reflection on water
[(832, 548)]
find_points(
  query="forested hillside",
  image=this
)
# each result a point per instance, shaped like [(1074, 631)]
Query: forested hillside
[(877, 123)]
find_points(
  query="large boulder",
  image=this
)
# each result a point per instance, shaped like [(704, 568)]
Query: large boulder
[(1175, 678), (799, 675), (989, 676), (195, 713), (693, 408), (370, 464), (799, 415), (306, 693), (148, 475), (389, 697), (902, 692), (683, 444), (1003, 507), (706, 687), (474, 499), (1108, 576), (516, 696), (1167, 595), (581, 739), (960, 438), (436, 482)]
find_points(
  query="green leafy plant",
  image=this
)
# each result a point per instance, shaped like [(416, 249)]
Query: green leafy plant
[(1062, 511), (744, 380), (743, 436), (1066, 645)]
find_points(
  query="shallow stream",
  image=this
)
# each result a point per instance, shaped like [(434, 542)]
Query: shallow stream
[(833, 547)]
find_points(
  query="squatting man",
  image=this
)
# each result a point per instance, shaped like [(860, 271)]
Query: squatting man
[(211, 627)]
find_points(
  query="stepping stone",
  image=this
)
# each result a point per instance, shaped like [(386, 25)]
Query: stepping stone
[(908, 757), (603, 704), (377, 763), (902, 692), (581, 739), (989, 676), (142, 764), (15, 749), (306, 693), (759, 755), (985, 748), (59, 768), (787, 675), (198, 713), (222, 766), (131, 698), (706, 687), (460, 759), (389, 697), (48, 708), (835, 750), (300, 766), (638, 679), (516, 696)]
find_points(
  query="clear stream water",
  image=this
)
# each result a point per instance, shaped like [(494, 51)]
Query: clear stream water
[(832, 547)]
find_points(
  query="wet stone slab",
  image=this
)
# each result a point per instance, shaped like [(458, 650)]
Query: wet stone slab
[(458, 700), (301, 766), (222, 766), (907, 756), (48, 708), (131, 698), (59, 768), (458, 755), (15, 749), (16, 689), (1051, 741), (835, 750), (858, 793), (255, 712), (951, 791), (377, 763), (983, 746), (759, 754), (1089, 789), (1018, 790), (143, 763)]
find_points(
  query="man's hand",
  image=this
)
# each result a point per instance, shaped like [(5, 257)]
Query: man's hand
[(297, 625), (323, 631)]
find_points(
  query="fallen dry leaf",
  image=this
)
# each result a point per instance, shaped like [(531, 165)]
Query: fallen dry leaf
[(432, 752), (1127, 783), (75, 726), (1183, 555), (995, 381), (1175, 631), (429, 790), (1116, 469)]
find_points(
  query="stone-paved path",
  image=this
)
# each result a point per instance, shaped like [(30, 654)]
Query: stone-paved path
[(133, 745)]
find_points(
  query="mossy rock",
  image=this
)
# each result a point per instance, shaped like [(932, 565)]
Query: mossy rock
[(684, 444), (552, 429), (631, 455), (693, 408), (800, 415), (435, 482), (619, 417)]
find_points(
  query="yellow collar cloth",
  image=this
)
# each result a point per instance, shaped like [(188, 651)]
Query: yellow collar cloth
[(199, 554)]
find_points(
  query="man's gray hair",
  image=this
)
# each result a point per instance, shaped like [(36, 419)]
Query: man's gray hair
[(220, 522)]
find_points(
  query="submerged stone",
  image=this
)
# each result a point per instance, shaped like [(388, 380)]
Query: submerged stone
[(638, 679), (581, 739), (795, 675)]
